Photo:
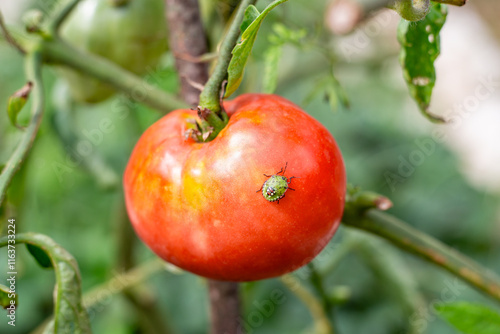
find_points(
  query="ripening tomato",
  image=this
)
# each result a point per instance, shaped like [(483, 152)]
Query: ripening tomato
[(199, 205), (133, 35)]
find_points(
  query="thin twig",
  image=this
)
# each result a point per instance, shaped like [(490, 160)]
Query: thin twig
[(321, 323), (34, 74), (411, 240), (187, 39), (57, 51), (59, 15), (122, 281), (8, 37), (452, 2)]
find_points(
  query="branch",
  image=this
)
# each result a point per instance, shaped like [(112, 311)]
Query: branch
[(452, 2), (187, 39), (123, 281), (59, 15), (210, 97), (424, 246), (59, 52), (8, 37), (34, 74), (321, 323), (224, 307)]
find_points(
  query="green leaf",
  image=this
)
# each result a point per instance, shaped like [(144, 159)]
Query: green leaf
[(271, 59), (6, 296), (251, 13), (471, 318), (17, 101), (40, 256), (69, 314), (420, 46), (242, 50)]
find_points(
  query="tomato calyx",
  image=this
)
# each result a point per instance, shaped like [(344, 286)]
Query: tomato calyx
[(208, 126)]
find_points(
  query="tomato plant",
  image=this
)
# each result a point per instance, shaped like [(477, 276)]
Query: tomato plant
[(118, 32), (247, 189), (196, 205)]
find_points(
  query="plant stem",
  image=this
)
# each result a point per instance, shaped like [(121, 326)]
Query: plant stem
[(34, 74), (452, 2), (59, 52), (187, 40), (321, 323), (59, 15), (424, 246), (210, 96), (224, 307), (224, 296), (122, 281), (317, 282), (11, 40)]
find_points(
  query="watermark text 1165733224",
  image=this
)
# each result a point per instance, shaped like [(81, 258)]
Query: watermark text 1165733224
[(11, 271)]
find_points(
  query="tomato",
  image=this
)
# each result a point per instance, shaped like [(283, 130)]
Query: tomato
[(133, 35), (200, 207)]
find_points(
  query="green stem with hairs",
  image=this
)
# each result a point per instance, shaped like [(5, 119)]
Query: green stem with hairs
[(411, 240), (211, 94), (34, 74), (59, 52)]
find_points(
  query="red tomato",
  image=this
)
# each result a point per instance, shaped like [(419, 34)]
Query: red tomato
[(196, 205)]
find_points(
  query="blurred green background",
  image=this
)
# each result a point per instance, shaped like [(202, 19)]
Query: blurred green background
[(379, 289)]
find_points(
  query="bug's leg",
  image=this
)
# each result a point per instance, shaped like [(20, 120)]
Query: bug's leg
[(291, 189), (260, 188), (293, 177), (286, 165), (267, 175)]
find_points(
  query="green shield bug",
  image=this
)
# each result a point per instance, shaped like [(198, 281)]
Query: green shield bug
[(276, 185)]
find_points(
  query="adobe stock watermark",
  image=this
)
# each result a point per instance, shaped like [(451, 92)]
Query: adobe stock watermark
[(89, 139), (423, 316), (407, 164), (361, 38)]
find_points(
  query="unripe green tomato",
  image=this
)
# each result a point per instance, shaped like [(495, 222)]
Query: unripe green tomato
[(132, 35)]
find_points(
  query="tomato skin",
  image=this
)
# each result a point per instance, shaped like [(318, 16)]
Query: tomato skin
[(133, 36), (196, 205)]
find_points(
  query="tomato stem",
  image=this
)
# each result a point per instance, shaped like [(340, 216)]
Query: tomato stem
[(57, 51), (59, 15), (407, 238), (211, 95), (34, 74)]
